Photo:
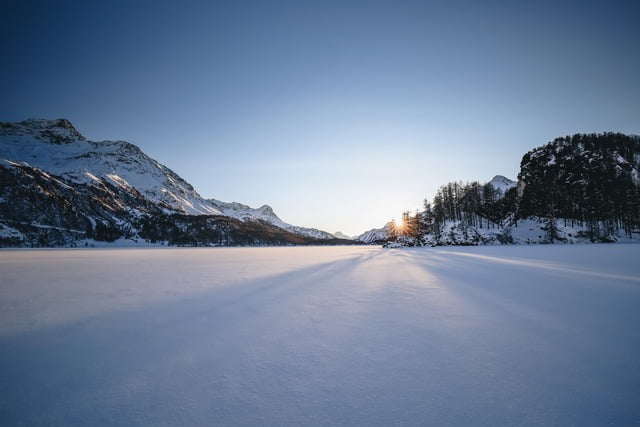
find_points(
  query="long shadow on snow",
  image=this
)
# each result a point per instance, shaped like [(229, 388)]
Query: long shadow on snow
[(555, 326), (81, 372)]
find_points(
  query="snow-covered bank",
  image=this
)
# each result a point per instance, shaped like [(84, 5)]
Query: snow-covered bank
[(517, 335), (524, 232)]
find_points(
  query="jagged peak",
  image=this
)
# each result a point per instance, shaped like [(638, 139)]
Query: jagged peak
[(502, 183), (56, 131), (39, 122)]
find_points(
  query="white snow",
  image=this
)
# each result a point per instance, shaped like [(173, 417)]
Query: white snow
[(341, 235), (376, 234), (518, 335), (123, 164), (526, 231), (503, 184), (265, 213), (84, 161)]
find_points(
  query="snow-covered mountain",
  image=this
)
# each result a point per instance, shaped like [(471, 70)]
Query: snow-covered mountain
[(341, 235), (266, 214), (376, 234), (55, 150), (502, 184)]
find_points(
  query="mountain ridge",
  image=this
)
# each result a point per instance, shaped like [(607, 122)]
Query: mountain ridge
[(55, 150)]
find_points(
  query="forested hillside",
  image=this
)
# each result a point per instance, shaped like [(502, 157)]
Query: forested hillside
[(584, 187)]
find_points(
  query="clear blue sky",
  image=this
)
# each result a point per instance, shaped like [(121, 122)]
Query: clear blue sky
[(340, 114)]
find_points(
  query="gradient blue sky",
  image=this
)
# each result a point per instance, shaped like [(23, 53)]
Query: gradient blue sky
[(340, 115)]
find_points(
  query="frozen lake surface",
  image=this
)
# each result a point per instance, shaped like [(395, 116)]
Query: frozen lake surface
[(519, 335)]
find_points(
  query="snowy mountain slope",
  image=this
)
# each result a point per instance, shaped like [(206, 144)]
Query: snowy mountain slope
[(375, 234), (38, 209), (502, 184), (55, 147), (266, 214), (341, 235)]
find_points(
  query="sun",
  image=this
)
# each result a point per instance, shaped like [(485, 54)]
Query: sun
[(398, 226)]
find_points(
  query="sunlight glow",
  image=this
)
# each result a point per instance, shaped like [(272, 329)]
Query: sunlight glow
[(398, 226)]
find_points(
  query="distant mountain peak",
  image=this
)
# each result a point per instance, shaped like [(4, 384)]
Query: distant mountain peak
[(501, 178), (265, 213), (376, 234), (502, 183), (341, 235)]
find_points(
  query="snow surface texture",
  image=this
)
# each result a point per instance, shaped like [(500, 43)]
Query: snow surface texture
[(56, 147), (519, 335)]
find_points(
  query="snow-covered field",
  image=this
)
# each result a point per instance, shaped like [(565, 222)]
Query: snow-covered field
[(514, 335)]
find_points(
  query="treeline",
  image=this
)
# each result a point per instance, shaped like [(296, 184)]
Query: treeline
[(215, 230), (590, 180), (471, 204)]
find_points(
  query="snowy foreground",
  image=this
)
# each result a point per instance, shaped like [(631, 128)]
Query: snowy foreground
[(517, 335)]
